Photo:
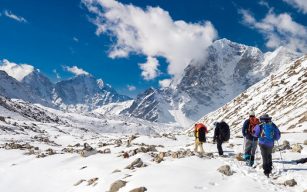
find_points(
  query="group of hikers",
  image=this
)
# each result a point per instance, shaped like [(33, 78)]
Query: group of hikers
[(255, 131)]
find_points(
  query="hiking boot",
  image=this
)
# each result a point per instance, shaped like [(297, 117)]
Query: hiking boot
[(267, 174)]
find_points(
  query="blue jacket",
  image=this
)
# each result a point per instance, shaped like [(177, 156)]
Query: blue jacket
[(263, 140), (245, 133)]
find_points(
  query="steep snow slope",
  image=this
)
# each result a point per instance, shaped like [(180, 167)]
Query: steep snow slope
[(230, 69), (113, 108), (282, 95)]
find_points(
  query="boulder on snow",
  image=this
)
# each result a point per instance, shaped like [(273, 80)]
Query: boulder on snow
[(296, 148), (284, 146), (239, 157), (225, 169), (92, 181), (2, 118), (140, 189), (290, 183), (79, 182), (117, 185), (136, 164)]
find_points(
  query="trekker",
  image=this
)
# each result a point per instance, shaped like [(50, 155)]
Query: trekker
[(221, 134), (267, 132), (200, 131), (250, 142)]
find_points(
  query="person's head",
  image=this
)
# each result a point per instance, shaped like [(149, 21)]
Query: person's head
[(265, 118), (252, 113)]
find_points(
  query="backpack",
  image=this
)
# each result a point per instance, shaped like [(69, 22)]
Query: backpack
[(224, 131), (253, 121), (200, 132), (267, 132)]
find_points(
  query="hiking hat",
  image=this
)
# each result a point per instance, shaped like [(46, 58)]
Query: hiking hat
[(252, 113), (265, 117)]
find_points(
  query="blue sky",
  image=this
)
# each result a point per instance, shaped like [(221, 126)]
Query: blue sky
[(51, 34)]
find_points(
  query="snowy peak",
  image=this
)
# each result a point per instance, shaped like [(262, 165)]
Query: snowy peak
[(85, 90), (17, 71), (282, 95)]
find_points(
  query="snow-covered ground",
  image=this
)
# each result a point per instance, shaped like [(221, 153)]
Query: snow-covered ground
[(59, 163)]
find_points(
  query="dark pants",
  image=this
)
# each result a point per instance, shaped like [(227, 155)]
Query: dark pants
[(219, 146), (266, 153)]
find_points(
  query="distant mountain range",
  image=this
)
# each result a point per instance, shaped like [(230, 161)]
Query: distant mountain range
[(230, 69), (80, 93)]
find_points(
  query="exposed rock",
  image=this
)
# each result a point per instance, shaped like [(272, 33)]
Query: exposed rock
[(225, 169), (50, 151), (2, 118), (305, 142), (117, 185), (136, 163), (140, 189), (79, 182), (284, 146), (239, 157), (92, 181), (87, 147), (303, 160), (116, 171), (126, 155), (290, 183), (296, 148), (107, 150)]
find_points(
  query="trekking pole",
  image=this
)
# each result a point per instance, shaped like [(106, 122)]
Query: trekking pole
[(281, 159)]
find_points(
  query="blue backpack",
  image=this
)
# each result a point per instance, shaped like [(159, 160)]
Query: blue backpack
[(267, 132)]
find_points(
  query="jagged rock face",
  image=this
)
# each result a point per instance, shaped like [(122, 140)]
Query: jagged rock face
[(10, 87), (151, 105), (282, 94), (229, 70), (85, 89), (40, 86)]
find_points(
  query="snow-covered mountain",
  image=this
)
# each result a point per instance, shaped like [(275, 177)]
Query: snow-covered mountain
[(230, 69), (80, 93), (282, 95), (85, 92)]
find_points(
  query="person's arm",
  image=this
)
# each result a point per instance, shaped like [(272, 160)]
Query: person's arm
[(215, 134), (256, 132), (277, 133), (244, 128)]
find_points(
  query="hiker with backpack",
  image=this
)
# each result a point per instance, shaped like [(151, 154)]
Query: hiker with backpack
[(221, 134), (200, 131), (250, 142), (267, 132)]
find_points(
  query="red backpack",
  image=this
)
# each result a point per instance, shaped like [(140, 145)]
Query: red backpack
[(253, 121)]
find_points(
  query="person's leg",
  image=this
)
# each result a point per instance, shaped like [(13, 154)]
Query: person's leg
[(267, 166), (248, 146), (201, 148), (196, 145), (253, 151), (219, 146)]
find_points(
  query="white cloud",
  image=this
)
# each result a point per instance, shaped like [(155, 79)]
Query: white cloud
[(11, 15), (131, 87), (165, 83), (75, 39), (264, 3), (56, 74), (150, 68), (17, 71), (75, 70), (151, 32), (301, 5), (279, 30)]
